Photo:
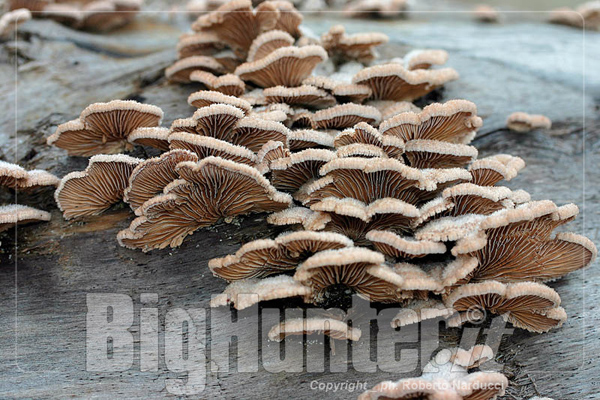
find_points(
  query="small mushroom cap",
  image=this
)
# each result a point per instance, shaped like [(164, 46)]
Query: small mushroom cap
[(99, 186), (331, 327), (306, 96), (394, 82), (531, 306), (309, 219), (486, 13), (424, 59), (205, 98), (523, 122), (289, 18), (257, 290), (11, 173), (104, 127), (286, 66), (393, 245), (268, 42), (198, 44), (302, 139), (17, 214), (291, 172), (455, 121), (206, 146), (182, 69), (227, 84), (151, 176), (156, 137), (359, 47), (490, 170), (423, 153), (449, 229), (420, 310), (345, 116)]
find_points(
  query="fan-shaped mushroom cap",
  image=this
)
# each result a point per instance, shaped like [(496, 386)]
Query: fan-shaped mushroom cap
[(10, 20), (523, 122), (182, 69), (156, 137), (291, 172), (394, 82), (351, 93), (446, 377), (302, 139), (331, 327), (268, 42), (486, 13), (364, 179), (491, 170), (455, 121), (237, 25), (390, 108), (566, 16), (449, 229), (276, 287), (289, 18), (104, 127), (216, 120), (420, 310), (359, 47), (345, 116), (10, 174), (227, 84), (198, 44), (200, 198), (253, 133), (36, 179), (513, 235), (309, 219), (424, 59), (17, 214), (423, 153), (397, 246), (206, 146), (286, 66), (270, 151), (307, 96), (527, 305), (150, 176), (93, 191), (265, 257), (469, 198), (207, 98), (356, 267)]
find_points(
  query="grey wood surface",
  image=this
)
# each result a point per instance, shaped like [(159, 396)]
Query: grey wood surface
[(48, 269)]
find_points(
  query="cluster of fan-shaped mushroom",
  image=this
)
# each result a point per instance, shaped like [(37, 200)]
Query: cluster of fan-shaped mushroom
[(23, 183), (92, 15), (379, 196)]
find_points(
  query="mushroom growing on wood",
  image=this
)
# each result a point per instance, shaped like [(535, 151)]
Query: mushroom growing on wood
[(199, 198), (156, 137), (527, 305), (245, 293), (523, 122), (355, 267), (359, 47), (267, 43), (486, 14), (512, 235), (105, 127), (205, 98), (264, 257), (228, 84), (236, 24), (491, 170), (376, 8), (394, 245), (395, 82), (198, 44), (92, 191), (17, 214), (297, 169), (331, 327), (150, 176), (586, 15), (286, 66), (181, 71), (345, 116), (455, 121), (446, 376)]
